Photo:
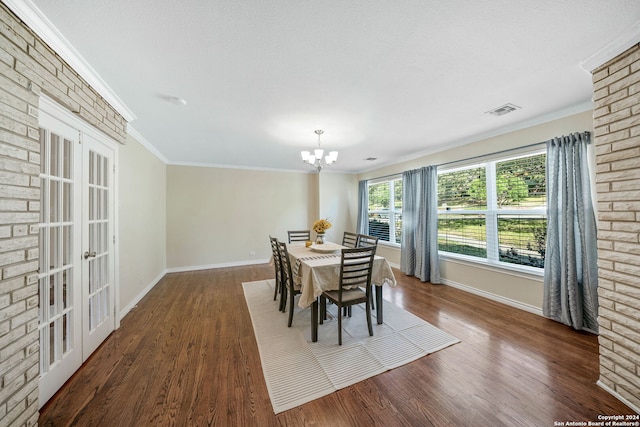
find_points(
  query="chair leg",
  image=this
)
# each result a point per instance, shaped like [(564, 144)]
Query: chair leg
[(292, 296), (276, 289), (369, 320), (283, 299), (339, 326)]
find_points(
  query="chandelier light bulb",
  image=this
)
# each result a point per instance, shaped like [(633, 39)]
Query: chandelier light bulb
[(316, 159)]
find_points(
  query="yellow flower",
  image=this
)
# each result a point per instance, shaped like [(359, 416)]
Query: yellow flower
[(321, 225)]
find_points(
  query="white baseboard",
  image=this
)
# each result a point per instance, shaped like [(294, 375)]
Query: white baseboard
[(154, 282), (617, 396), (141, 295), (212, 266), (494, 297)]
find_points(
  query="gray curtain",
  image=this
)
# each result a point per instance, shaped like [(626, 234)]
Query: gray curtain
[(362, 226), (419, 253), (571, 264)]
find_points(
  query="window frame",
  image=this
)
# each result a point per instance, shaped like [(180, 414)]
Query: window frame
[(492, 214), (392, 211)]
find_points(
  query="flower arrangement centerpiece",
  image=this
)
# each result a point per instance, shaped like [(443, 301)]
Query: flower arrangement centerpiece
[(320, 227)]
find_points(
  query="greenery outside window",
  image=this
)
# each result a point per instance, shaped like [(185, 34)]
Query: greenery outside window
[(385, 210), (495, 210)]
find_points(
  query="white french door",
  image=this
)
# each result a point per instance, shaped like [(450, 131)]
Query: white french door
[(76, 246), (97, 243), (60, 315)]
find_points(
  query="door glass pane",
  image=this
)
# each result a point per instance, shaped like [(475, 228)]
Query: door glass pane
[(65, 333), (67, 159), (99, 212), (105, 204), (54, 253), (54, 203), (44, 253), (52, 296), (91, 203), (54, 168), (67, 286), (52, 343), (67, 201), (105, 237), (44, 298), (66, 245)]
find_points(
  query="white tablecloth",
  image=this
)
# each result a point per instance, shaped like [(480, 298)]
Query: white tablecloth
[(318, 272)]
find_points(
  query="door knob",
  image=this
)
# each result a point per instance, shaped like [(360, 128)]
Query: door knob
[(88, 254)]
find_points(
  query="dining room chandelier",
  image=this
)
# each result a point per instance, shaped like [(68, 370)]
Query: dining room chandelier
[(316, 159)]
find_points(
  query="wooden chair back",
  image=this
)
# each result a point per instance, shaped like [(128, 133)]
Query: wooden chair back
[(276, 260), (356, 266), (299, 235), (349, 239), (365, 240), (287, 275)]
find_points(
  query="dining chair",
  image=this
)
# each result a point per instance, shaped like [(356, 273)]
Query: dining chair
[(290, 289), (354, 285), (349, 239), (365, 240), (279, 285), (299, 235)]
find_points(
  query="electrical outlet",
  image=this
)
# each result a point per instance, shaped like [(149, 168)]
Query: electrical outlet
[(252, 253)]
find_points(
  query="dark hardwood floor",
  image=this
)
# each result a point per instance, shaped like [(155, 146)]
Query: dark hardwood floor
[(186, 356)]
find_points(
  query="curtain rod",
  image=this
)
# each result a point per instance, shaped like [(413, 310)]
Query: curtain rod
[(481, 156)]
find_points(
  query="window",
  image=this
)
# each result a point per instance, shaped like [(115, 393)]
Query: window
[(385, 210), (495, 210)]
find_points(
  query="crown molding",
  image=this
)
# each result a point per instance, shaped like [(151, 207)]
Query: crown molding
[(40, 24), (624, 41)]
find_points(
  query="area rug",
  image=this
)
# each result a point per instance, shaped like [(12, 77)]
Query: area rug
[(297, 370)]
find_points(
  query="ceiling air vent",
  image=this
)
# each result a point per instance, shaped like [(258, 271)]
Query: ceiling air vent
[(501, 111)]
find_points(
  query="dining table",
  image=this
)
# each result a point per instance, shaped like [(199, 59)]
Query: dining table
[(316, 268)]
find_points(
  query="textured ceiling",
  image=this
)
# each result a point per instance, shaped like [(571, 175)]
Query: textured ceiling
[(383, 79)]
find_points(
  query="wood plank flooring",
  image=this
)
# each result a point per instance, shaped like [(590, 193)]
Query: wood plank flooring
[(187, 356)]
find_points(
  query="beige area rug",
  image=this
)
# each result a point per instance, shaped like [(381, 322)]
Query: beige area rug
[(297, 370)]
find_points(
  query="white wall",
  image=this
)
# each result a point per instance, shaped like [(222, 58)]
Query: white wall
[(338, 202), (142, 222), (220, 217), (520, 290)]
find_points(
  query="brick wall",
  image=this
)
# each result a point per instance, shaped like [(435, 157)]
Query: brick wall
[(617, 137), (27, 69)]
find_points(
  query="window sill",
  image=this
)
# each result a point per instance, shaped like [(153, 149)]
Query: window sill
[(515, 270), (389, 244), (504, 268)]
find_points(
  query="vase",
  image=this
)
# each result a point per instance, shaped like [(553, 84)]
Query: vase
[(319, 238)]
